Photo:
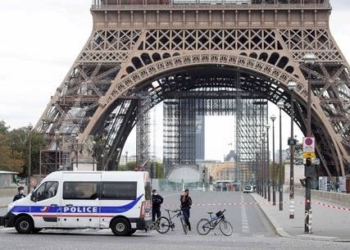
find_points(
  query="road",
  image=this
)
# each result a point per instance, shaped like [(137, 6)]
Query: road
[(251, 231)]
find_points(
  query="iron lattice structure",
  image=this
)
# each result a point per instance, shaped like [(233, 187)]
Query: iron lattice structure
[(143, 157), (136, 44)]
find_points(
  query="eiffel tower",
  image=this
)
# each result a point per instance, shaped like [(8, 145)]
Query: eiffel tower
[(137, 43)]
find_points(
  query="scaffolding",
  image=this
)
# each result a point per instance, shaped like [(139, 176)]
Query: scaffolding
[(179, 135), (251, 120), (180, 129)]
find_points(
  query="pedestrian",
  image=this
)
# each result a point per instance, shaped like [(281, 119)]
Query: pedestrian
[(157, 201), (186, 203), (20, 194)]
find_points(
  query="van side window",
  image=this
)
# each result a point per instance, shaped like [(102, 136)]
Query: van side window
[(46, 190), (121, 190), (80, 190)]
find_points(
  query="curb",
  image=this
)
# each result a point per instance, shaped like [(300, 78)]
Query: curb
[(3, 205), (320, 238), (279, 230)]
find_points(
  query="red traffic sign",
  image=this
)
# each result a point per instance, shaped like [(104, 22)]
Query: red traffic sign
[(309, 144)]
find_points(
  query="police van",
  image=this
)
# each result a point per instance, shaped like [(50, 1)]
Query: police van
[(119, 200)]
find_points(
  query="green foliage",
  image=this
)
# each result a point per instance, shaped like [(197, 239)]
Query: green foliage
[(11, 160), (130, 166), (3, 128), (160, 172), (14, 149)]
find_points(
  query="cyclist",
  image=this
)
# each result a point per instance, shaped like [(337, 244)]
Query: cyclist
[(186, 203), (157, 200)]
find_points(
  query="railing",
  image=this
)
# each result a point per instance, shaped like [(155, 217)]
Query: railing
[(206, 2)]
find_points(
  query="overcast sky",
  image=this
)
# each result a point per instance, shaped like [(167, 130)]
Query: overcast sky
[(42, 38)]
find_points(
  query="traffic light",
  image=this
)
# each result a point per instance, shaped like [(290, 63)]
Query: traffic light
[(308, 162)]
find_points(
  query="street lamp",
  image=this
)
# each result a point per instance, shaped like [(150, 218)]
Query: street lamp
[(260, 170), (93, 154), (267, 126), (309, 60), (263, 134), (292, 87), (30, 127), (102, 162), (107, 152), (77, 151), (273, 118), (57, 134), (280, 105)]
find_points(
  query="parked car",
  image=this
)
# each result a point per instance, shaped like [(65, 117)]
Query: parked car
[(248, 189)]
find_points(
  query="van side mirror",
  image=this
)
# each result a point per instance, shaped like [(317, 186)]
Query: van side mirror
[(33, 197)]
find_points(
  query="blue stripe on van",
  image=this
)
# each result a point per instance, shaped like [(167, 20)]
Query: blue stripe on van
[(75, 209)]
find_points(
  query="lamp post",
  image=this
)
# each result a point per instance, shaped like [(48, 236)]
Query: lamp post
[(102, 162), (57, 134), (93, 154), (260, 167), (263, 134), (273, 118), (30, 127), (77, 151), (309, 60), (291, 86), (280, 105), (107, 152), (268, 163)]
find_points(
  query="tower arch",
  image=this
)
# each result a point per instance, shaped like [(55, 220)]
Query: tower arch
[(133, 45)]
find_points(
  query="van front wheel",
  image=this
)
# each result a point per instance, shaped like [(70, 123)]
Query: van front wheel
[(24, 225), (120, 227)]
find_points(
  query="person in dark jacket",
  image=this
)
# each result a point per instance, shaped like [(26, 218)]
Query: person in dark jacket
[(157, 200), (186, 203), (20, 194)]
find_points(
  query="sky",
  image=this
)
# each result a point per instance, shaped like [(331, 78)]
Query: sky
[(41, 40)]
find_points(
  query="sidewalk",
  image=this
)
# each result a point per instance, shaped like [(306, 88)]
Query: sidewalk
[(330, 221)]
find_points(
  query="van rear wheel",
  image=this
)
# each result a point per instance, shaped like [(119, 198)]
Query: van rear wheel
[(120, 227), (24, 225)]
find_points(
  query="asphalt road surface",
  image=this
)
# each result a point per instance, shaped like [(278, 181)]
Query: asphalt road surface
[(251, 230)]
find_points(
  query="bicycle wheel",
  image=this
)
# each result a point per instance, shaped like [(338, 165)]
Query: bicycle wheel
[(162, 225), (203, 227), (184, 225), (226, 228)]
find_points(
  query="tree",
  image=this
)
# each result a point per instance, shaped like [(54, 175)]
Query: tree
[(3, 128), (14, 146), (10, 151)]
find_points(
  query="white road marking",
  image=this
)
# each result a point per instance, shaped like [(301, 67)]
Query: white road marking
[(244, 217)]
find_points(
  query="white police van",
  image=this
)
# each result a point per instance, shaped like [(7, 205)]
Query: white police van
[(75, 199)]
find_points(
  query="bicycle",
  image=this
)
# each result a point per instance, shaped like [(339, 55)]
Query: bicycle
[(163, 224), (204, 226)]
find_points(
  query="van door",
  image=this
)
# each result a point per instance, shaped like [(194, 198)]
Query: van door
[(80, 201), (46, 209)]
